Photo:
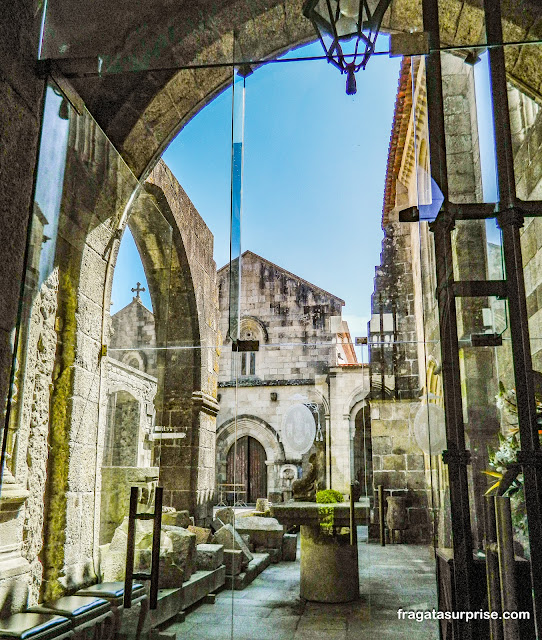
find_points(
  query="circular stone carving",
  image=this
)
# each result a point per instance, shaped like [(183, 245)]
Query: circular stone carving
[(298, 429), (430, 429)]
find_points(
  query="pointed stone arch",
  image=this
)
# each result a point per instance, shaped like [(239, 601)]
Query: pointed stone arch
[(143, 112)]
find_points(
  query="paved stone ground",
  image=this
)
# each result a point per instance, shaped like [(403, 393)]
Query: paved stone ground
[(391, 577)]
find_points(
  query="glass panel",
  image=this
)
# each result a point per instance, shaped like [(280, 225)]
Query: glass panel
[(303, 405), (428, 412), (42, 237), (467, 119), (308, 402), (525, 123), (478, 256), (238, 133), (83, 189), (482, 327), (122, 37), (484, 126)]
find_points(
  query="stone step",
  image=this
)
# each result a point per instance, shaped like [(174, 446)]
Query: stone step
[(259, 562), (172, 601), (202, 583)]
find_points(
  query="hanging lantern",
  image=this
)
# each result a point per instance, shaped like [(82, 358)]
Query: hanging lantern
[(355, 23)]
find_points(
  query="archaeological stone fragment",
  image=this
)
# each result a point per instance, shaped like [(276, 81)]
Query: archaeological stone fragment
[(231, 539)]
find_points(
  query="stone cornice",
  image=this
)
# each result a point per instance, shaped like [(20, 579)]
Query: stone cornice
[(252, 382)]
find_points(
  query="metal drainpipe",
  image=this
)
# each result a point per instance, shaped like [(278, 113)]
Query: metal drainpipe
[(507, 568), (492, 570)]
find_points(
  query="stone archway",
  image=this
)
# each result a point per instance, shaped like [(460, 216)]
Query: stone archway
[(263, 433), (362, 462), (140, 117), (359, 418), (144, 112), (168, 231)]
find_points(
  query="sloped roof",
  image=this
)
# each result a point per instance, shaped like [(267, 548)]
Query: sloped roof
[(287, 273), (130, 305)]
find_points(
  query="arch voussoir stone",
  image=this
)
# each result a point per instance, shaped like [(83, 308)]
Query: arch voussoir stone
[(144, 113)]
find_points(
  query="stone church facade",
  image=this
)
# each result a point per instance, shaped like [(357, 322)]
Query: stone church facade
[(305, 356)]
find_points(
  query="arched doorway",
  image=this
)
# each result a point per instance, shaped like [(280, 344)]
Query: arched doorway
[(363, 453), (249, 469)]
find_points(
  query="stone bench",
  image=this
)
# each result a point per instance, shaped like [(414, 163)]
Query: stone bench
[(113, 592), (91, 618), (35, 626)]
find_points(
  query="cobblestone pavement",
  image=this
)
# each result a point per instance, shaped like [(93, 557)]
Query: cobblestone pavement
[(391, 577)]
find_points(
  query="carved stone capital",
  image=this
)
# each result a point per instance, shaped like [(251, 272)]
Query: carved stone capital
[(205, 403), (12, 496)]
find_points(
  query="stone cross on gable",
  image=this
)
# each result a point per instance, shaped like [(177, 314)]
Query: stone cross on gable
[(138, 289)]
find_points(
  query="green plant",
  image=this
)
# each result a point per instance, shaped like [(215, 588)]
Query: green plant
[(329, 496), (499, 461)]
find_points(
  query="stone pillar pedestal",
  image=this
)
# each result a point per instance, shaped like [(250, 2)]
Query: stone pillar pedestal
[(14, 569), (396, 517), (329, 566)]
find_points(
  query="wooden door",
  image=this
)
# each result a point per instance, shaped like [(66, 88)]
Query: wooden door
[(257, 471), (250, 468), (241, 468)]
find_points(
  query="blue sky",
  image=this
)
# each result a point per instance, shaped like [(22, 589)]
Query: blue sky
[(314, 171)]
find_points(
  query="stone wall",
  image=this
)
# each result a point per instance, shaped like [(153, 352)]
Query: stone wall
[(291, 318), (399, 464), (72, 325), (297, 326), (140, 116), (21, 94)]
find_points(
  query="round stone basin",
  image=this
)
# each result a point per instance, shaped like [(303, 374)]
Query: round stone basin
[(329, 563)]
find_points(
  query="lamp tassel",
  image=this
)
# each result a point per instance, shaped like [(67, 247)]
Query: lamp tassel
[(351, 88)]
